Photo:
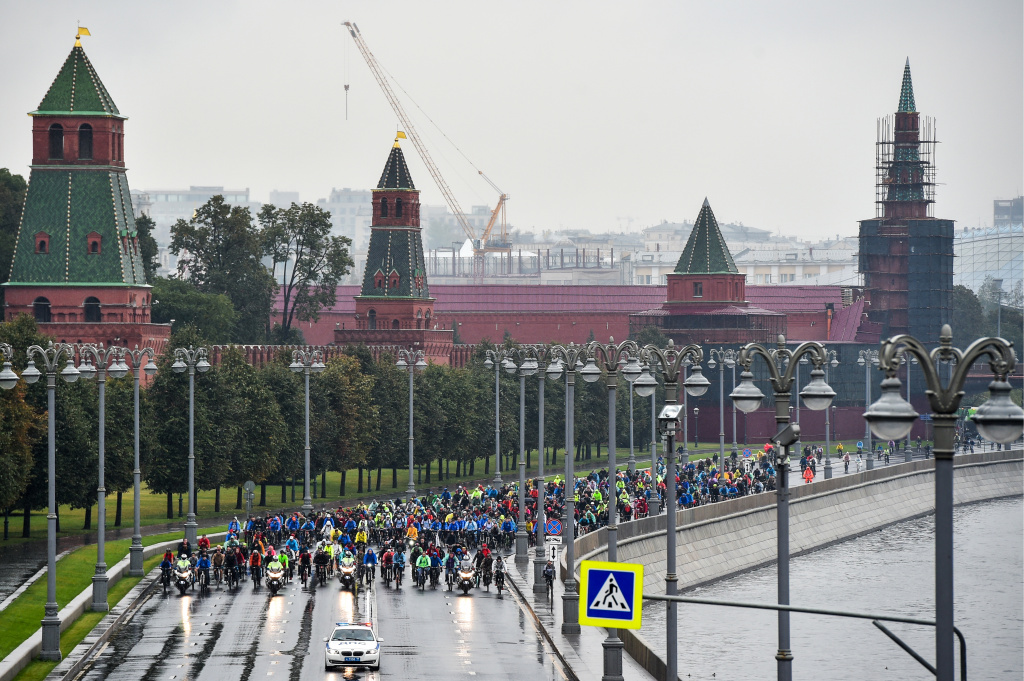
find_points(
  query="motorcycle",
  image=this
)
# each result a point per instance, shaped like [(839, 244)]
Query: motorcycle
[(466, 580), (182, 579), (275, 580), (347, 577)]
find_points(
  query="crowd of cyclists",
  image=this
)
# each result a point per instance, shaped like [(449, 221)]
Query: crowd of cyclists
[(439, 533)]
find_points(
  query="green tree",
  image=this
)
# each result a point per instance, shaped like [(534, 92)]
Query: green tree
[(20, 426), (968, 313), (12, 199), (212, 314), (343, 430), (119, 446), (300, 236), (222, 252), (148, 249)]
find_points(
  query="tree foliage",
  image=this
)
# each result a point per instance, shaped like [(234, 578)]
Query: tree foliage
[(312, 262), (148, 249), (212, 314), (12, 199)]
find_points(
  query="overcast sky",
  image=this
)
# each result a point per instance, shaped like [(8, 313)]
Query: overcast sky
[(600, 115)]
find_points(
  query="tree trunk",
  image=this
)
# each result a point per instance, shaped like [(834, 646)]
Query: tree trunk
[(117, 513), (427, 466), (284, 491), (58, 518), (458, 467), (170, 504), (394, 477), (440, 469), (88, 518), (216, 500), (323, 482), (293, 489), (359, 484), (378, 479), (447, 469), (472, 465), (487, 465), (527, 458), (26, 522), (238, 500), (343, 473), (263, 494)]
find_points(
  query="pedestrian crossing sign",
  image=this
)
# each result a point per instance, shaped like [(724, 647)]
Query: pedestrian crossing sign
[(611, 594)]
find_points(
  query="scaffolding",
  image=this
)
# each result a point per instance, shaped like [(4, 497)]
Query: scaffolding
[(904, 166)]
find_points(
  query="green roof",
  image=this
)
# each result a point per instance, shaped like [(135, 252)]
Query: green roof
[(68, 206), (396, 173), (907, 92), (395, 250), (78, 90), (705, 251)]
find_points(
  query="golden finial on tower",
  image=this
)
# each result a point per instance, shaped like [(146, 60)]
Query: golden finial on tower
[(399, 136)]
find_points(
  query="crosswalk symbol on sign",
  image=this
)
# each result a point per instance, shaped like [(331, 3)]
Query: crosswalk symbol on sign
[(609, 597), (611, 594)]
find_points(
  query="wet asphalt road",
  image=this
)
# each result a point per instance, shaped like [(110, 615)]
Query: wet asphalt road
[(250, 635)]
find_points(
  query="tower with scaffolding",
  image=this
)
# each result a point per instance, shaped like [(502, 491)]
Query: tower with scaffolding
[(906, 254)]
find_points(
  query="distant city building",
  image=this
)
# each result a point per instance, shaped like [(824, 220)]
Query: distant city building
[(351, 214), (283, 199), (1008, 212), (906, 254), (993, 253)]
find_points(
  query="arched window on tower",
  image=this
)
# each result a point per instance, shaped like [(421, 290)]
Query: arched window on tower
[(57, 142), (383, 208), (92, 309), (85, 142), (394, 323), (371, 319), (94, 243), (42, 242), (419, 319), (398, 208), (41, 309)]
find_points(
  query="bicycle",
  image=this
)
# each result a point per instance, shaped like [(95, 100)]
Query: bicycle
[(304, 574), (218, 575), (399, 571), (255, 577), (499, 581), (321, 575), (165, 578), (204, 580)]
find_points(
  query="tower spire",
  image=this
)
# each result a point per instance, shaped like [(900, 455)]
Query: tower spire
[(907, 92)]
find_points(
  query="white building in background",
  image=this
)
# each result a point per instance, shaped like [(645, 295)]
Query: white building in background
[(351, 214)]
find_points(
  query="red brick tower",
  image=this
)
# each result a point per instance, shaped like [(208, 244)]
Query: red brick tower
[(77, 267)]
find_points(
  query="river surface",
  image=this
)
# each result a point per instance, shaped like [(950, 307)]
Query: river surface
[(891, 571)]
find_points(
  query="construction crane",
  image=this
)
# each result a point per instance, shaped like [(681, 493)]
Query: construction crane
[(480, 244)]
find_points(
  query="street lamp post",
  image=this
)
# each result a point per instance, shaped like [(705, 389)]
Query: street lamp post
[(411, 361), (696, 411), (539, 558), (817, 395), (527, 367), (609, 356), (193, 360), (51, 356), (97, 361), (908, 361), (670, 361), (735, 449), (999, 419), (866, 358), (728, 359), (307, 361), (135, 557), (496, 359), (645, 385), (833, 360), (569, 356)]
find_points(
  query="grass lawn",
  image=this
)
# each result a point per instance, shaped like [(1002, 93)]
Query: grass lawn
[(74, 574)]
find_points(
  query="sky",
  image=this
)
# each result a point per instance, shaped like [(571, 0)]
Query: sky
[(606, 116)]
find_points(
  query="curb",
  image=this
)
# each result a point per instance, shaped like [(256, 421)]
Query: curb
[(19, 658), (524, 603)]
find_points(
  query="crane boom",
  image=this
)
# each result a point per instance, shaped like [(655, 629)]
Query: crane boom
[(410, 130)]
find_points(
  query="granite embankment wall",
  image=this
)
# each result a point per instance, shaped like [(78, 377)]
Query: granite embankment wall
[(728, 538)]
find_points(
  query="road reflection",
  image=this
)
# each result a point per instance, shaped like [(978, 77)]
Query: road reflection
[(186, 615)]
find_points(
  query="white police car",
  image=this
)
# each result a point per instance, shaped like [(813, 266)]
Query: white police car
[(352, 644)]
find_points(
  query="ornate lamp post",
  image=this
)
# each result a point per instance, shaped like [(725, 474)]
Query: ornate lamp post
[(97, 361), (908, 361), (539, 559), (728, 359), (308, 362), (817, 395), (411, 361), (528, 366), (569, 356), (194, 360), (135, 558), (669, 362), (609, 356), (496, 359), (866, 358), (834, 362), (999, 419), (645, 386), (51, 357)]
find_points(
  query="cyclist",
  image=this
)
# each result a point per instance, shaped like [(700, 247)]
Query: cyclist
[(203, 543), (203, 569), (321, 560), (165, 568), (399, 568), (499, 573), (305, 564), (369, 565), (422, 568), (549, 576), (218, 563), (450, 563), (255, 563), (435, 567)]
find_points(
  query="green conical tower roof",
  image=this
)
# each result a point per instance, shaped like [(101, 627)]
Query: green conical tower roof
[(706, 252), (907, 92), (396, 173)]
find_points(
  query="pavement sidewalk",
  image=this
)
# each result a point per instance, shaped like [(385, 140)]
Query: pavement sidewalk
[(582, 654)]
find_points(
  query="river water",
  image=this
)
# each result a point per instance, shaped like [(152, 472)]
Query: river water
[(891, 571)]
